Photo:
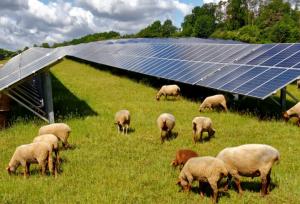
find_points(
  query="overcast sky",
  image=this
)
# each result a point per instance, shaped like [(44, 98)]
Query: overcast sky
[(27, 22)]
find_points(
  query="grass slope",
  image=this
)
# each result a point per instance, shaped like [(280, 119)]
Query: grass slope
[(109, 168)]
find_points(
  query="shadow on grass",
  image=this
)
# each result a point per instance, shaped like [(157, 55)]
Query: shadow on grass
[(207, 191), (66, 105), (252, 186), (262, 109)]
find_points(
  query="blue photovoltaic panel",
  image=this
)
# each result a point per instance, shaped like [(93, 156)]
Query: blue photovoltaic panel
[(217, 64), (243, 78), (275, 83), (258, 80), (229, 76)]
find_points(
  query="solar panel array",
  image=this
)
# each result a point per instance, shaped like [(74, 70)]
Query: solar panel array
[(254, 70)]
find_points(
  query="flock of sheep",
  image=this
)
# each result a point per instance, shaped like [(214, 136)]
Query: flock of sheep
[(250, 160), (41, 149)]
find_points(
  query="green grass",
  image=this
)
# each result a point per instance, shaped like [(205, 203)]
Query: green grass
[(109, 168)]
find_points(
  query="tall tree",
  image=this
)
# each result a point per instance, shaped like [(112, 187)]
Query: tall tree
[(168, 29), (236, 14)]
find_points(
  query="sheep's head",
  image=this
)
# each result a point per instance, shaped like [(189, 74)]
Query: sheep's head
[(157, 96), (285, 116), (184, 185), (174, 163), (10, 170)]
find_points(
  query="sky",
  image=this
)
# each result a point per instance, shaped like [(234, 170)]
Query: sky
[(28, 22)]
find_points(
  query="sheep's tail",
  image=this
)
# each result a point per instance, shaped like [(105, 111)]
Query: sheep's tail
[(50, 161)]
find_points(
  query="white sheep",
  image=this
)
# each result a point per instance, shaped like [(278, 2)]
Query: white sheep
[(293, 112), (53, 141), (39, 152), (122, 120), (200, 125), (168, 90), (213, 101), (165, 123), (60, 130), (203, 169), (251, 160)]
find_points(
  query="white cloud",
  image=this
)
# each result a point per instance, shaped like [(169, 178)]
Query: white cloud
[(27, 22)]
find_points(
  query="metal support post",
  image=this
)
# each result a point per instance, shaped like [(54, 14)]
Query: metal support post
[(283, 99), (47, 91)]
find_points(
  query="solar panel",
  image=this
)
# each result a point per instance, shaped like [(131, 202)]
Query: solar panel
[(249, 69)]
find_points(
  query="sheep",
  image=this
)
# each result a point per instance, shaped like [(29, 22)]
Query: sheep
[(251, 160), (53, 141), (298, 83), (38, 152), (165, 123), (122, 120), (168, 90), (200, 125), (203, 169), (60, 130), (182, 156), (293, 112), (213, 101)]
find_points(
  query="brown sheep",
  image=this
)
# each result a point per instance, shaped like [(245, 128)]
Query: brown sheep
[(293, 112), (165, 123), (60, 130), (182, 156), (251, 160), (213, 101), (168, 90), (203, 169), (122, 120), (38, 152), (200, 125)]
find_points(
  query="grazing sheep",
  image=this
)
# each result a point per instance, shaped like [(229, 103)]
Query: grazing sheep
[(60, 130), (200, 125), (168, 90), (203, 169), (213, 101), (182, 156), (53, 141), (166, 123), (122, 120), (293, 112), (39, 152), (251, 160)]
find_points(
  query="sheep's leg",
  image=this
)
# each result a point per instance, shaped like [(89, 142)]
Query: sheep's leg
[(201, 134), (238, 184), (264, 183), (268, 182), (194, 136), (228, 182), (201, 189), (224, 106), (214, 187), (162, 138), (26, 170), (57, 163), (298, 122), (43, 167)]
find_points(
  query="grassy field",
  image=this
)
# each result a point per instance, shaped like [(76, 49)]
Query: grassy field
[(105, 167)]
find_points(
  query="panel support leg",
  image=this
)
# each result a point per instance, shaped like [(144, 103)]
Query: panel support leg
[(283, 99), (47, 90)]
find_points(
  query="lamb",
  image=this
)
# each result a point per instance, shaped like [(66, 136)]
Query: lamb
[(293, 112), (60, 130), (168, 90), (182, 156), (53, 141), (203, 169), (122, 120), (165, 123), (39, 152), (200, 125), (251, 160), (213, 101)]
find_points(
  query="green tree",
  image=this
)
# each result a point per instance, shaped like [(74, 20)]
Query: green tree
[(168, 29), (204, 26), (152, 31), (237, 11)]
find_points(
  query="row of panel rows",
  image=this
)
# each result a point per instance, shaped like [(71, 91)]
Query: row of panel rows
[(279, 55), (253, 81)]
